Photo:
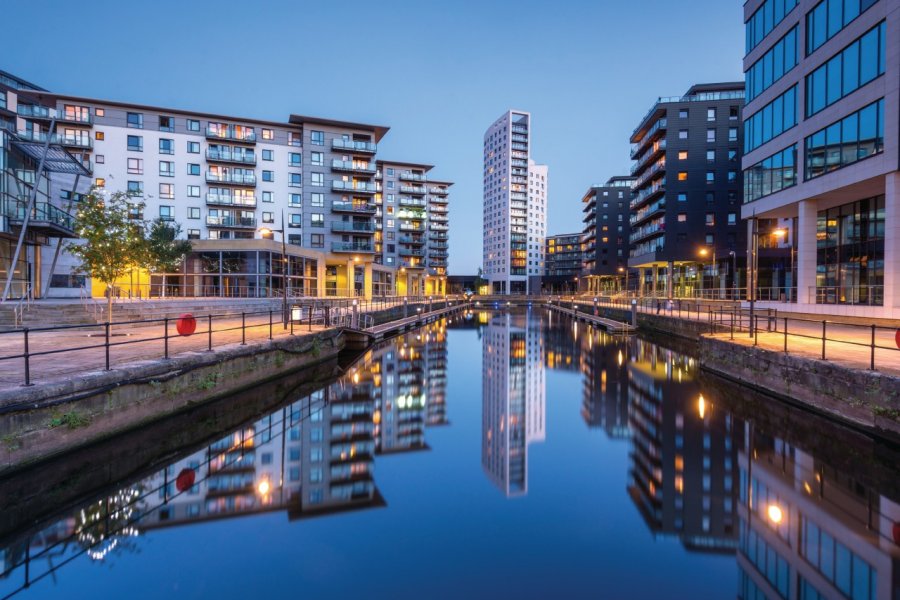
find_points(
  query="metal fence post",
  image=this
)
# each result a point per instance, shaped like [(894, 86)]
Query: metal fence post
[(166, 335), (823, 339), (209, 332), (872, 358), (785, 335), (754, 324), (270, 324), (243, 329), (106, 345), (732, 324), (27, 359)]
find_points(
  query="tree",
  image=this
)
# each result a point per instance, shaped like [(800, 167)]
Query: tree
[(164, 252), (480, 281), (111, 240)]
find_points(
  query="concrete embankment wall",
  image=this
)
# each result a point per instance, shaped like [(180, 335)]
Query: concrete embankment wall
[(45, 420)]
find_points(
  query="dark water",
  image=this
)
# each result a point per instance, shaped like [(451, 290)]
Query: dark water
[(501, 455)]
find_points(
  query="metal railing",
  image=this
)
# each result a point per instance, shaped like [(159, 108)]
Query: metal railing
[(23, 304)]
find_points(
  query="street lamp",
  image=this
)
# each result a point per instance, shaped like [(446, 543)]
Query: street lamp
[(704, 252), (733, 255), (625, 271), (265, 231), (781, 234)]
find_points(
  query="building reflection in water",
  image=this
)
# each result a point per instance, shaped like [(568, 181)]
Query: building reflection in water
[(513, 396), (314, 456), (603, 364)]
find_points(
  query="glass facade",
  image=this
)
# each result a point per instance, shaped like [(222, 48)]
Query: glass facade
[(853, 138), (764, 20), (847, 71), (837, 563), (239, 274), (774, 64), (772, 120), (850, 261), (771, 175), (829, 17)]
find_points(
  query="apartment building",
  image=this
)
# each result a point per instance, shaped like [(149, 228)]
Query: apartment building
[(236, 186), (563, 259), (821, 148), (607, 227), (515, 206), (686, 206)]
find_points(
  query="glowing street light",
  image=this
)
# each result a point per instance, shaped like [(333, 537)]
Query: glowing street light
[(263, 487), (701, 407), (775, 514)]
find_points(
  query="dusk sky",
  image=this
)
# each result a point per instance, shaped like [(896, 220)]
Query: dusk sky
[(437, 73)]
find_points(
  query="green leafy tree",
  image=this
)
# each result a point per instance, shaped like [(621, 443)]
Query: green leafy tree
[(111, 240), (480, 281), (163, 251)]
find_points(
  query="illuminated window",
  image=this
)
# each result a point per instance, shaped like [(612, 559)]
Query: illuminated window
[(100, 182), (100, 112), (682, 155), (268, 134), (99, 135), (682, 176), (682, 217)]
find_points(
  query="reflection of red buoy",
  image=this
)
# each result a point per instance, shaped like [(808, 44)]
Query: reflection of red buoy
[(186, 324), (897, 338), (185, 480)]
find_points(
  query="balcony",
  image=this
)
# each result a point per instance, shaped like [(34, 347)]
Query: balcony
[(412, 263), (438, 191), (352, 247), (439, 218), (45, 219), (236, 222), (362, 227), (439, 246), (357, 187), (438, 254), (415, 202), (353, 207), (658, 168), (439, 199), (411, 215), (437, 263), (245, 135), (353, 146), (657, 149), (645, 195), (438, 236), (214, 199), (658, 127), (83, 142), (232, 178), (78, 118), (409, 176), (224, 156), (416, 190), (412, 226), (411, 252), (647, 231), (30, 111), (647, 212), (412, 240), (439, 227), (353, 166)]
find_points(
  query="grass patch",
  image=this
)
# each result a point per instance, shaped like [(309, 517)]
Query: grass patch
[(11, 442), (70, 420), (208, 382)]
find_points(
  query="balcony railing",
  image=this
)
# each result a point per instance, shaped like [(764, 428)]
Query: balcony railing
[(439, 218), (213, 198), (409, 176), (658, 187), (233, 178), (412, 189), (437, 235), (351, 247), (245, 158), (241, 222), (71, 141), (438, 191), (439, 227), (412, 227), (44, 212), (411, 252), (413, 240), (32, 111), (353, 207), (81, 118), (230, 133), (353, 227), (353, 146), (353, 166), (362, 187), (418, 202), (646, 157), (660, 125)]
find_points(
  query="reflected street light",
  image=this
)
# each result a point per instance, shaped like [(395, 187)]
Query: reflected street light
[(286, 288)]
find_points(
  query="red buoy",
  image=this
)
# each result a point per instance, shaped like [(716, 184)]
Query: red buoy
[(896, 533), (185, 480), (897, 338), (186, 324)]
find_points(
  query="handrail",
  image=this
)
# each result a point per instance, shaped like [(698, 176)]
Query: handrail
[(23, 304)]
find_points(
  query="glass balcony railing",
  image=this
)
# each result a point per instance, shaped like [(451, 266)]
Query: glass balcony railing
[(353, 146), (235, 178), (81, 117), (438, 191), (229, 221), (408, 176), (411, 252), (354, 186), (44, 212), (353, 207), (410, 239), (33, 111), (351, 247), (230, 200), (412, 189), (247, 158), (353, 166), (231, 133), (416, 202), (351, 227)]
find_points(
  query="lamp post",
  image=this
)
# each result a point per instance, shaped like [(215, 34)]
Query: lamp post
[(781, 235), (753, 279), (625, 271), (287, 280), (733, 255), (704, 252)]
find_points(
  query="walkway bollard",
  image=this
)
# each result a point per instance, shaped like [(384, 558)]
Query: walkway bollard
[(107, 345), (823, 339), (166, 336), (243, 329), (27, 359)]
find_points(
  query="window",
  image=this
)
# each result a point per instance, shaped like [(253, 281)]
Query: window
[(317, 138), (732, 155), (847, 141), (732, 176), (295, 220), (167, 191), (710, 219), (99, 159), (136, 143), (100, 182), (682, 176), (710, 197), (682, 217), (295, 200), (193, 234), (710, 239), (294, 138), (193, 169), (136, 166), (317, 240), (268, 176), (829, 17), (166, 146), (682, 197), (295, 180), (295, 239), (710, 135), (166, 124), (167, 213), (732, 218), (268, 154), (267, 197), (268, 134), (771, 67), (682, 155), (317, 179), (193, 191), (317, 220), (682, 134), (268, 217), (317, 200), (683, 113), (732, 134), (99, 135), (710, 156), (295, 159), (734, 113), (390, 172), (193, 147), (772, 120), (851, 68), (193, 125), (764, 20), (100, 112), (193, 212), (317, 159), (710, 177), (135, 188), (166, 168), (710, 114), (135, 120)]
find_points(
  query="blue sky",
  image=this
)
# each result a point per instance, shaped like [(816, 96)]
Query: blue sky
[(437, 73)]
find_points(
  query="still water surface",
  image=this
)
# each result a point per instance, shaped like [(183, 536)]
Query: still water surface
[(497, 455)]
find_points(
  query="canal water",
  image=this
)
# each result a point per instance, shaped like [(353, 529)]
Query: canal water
[(491, 455)]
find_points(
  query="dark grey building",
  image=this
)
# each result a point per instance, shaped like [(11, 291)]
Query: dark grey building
[(563, 258), (606, 230), (685, 213)]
